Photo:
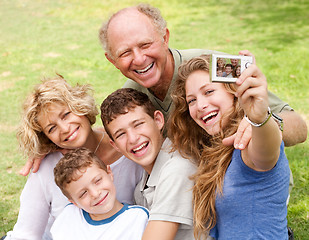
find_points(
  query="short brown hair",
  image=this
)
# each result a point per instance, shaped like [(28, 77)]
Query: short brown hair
[(121, 102), (72, 165)]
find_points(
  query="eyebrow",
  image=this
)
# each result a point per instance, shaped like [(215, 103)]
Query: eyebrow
[(201, 88)]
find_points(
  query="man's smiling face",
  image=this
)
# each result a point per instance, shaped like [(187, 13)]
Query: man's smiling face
[(138, 136)]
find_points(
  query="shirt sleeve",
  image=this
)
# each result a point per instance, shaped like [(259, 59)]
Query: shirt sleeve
[(276, 104), (173, 195), (34, 212)]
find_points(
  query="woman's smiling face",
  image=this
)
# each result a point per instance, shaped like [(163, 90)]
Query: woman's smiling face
[(207, 101), (63, 127)]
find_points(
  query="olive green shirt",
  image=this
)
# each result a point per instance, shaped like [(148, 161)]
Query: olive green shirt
[(165, 106)]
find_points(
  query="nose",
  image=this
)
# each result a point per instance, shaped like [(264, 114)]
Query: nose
[(132, 136), (201, 104), (138, 57), (63, 126), (94, 192)]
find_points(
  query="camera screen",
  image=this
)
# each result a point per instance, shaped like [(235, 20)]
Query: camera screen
[(227, 68)]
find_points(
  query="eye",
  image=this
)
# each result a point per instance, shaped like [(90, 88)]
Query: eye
[(208, 92), (145, 45), (83, 194), (51, 129), (118, 135), (65, 115), (191, 101), (138, 124), (124, 54), (97, 181)]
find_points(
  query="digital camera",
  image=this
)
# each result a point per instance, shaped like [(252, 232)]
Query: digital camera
[(227, 68)]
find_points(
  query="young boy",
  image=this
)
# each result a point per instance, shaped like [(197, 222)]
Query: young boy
[(135, 128), (95, 213)]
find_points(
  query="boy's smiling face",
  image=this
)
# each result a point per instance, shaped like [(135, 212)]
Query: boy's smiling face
[(138, 136), (94, 191)]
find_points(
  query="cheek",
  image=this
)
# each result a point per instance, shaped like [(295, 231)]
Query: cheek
[(192, 112)]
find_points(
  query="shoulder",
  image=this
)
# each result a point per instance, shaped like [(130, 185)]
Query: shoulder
[(132, 84), (126, 165), (69, 214), (175, 160), (49, 161), (139, 209), (187, 54), (47, 165)]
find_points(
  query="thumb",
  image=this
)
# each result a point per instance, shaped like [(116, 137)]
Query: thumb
[(228, 141)]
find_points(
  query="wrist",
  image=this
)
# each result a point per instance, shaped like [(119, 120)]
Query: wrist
[(277, 119), (260, 124)]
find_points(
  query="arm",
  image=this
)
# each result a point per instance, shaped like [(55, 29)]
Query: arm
[(294, 128), (40, 202), (33, 163), (160, 230), (294, 131), (33, 213), (263, 150)]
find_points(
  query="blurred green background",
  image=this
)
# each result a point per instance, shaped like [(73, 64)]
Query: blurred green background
[(42, 37)]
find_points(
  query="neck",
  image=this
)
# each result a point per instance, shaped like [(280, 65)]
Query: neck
[(98, 217), (92, 140), (161, 89), (106, 152)]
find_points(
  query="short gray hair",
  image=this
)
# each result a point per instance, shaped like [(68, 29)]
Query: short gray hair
[(153, 13)]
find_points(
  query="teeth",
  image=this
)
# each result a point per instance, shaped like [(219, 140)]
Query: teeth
[(73, 135), (145, 69), (140, 147), (209, 115)]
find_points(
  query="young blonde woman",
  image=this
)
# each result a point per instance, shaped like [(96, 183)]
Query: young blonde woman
[(238, 194), (57, 116)]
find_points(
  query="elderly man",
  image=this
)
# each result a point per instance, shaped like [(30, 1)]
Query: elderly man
[(136, 42)]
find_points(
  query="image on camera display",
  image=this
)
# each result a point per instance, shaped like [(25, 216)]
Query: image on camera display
[(227, 68)]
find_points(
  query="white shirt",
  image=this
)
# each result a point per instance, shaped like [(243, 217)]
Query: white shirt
[(75, 224), (41, 200)]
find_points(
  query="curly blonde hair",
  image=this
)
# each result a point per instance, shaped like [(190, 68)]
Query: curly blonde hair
[(153, 13), (192, 141), (79, 99)]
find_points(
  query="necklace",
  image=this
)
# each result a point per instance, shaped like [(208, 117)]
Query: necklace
[(99, 144)]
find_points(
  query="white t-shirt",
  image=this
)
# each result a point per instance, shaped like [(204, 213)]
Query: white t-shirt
[(75, 224), (41, 200)]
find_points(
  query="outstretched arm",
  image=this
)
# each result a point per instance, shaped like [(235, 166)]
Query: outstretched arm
[(294, 131), (263, 150)]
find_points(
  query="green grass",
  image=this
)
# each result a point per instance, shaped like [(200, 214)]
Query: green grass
[(42, 37)]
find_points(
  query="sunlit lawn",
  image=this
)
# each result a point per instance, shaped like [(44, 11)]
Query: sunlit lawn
[(42, 37)]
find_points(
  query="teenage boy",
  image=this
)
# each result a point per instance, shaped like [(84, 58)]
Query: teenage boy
[(228, 71), (95, 213), (135, 128)]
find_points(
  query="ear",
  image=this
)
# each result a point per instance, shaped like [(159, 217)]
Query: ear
[(166, 37), (114, 145), (109, 172), (110, 59), (159, 119)]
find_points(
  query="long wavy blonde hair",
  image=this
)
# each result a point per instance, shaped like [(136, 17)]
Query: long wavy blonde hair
[(211, 156), (78, 99)]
